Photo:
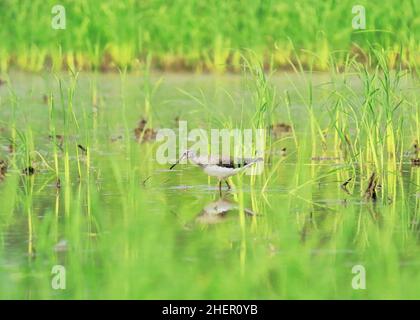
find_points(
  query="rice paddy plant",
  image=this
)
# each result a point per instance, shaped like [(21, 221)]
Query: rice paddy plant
[(378, 122)]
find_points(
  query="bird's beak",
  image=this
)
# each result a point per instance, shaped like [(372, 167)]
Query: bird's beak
[(172, 166)]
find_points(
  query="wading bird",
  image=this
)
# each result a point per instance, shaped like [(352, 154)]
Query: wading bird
[(221, 168)]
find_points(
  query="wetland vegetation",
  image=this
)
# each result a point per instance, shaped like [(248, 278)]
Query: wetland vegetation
[(80, 185)]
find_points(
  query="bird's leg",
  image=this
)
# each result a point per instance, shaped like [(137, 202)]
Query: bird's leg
[(228, 185), (220, 187)]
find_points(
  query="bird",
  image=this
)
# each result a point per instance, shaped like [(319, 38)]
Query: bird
[(221, 168)]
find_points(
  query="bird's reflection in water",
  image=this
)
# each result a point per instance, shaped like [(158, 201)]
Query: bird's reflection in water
[(217, 211)]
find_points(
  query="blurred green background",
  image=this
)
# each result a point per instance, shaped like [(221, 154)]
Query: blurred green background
[(202, 35)]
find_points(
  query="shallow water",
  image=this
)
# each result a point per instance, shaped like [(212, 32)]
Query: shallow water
[(130, 228)]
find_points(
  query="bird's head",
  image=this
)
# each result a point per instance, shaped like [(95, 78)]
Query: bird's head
[(189, 154)]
